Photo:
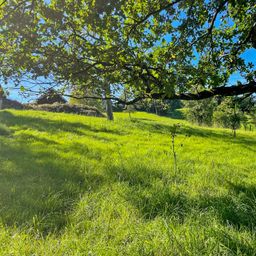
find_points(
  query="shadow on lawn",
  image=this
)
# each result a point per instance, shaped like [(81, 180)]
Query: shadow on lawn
[(38, 188), (52, 126), (237, 208), (151, 193), (225, 136)]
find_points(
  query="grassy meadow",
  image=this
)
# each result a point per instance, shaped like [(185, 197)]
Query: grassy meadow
[(75, 185)]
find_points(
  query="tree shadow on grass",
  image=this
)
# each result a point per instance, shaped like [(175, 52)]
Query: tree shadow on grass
[(159, 203), (237, 211), (235, 245), (236, 208), (52, 126), (136, 176), (143, 193), (225, 136), (153, 200), (38, 188), (153, 127)]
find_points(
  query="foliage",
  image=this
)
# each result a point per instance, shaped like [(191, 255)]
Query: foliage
[(86, 101), (228, 115), (159, 49), (161, 107), (2, 92), (75, 185), (200, 112), (66, 108), (247, 104)]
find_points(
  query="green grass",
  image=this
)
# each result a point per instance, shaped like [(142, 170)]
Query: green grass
[(4, 130), (74, 185)]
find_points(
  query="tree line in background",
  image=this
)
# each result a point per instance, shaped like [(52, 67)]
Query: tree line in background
[(227, 112)]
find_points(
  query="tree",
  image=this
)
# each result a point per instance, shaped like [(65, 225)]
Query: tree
[(228, 115), (201, 111), (161, 49)]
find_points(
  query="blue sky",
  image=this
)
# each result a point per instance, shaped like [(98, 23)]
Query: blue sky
[(249, 56)]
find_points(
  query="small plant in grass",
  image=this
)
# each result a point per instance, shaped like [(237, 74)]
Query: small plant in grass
[(4, 130), (174, 133)]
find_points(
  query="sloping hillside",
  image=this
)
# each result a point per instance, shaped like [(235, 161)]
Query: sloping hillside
[(74, 185)]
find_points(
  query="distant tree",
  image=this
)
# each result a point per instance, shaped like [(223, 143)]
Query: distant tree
[(246, 104), (200, 112), (228, 115)]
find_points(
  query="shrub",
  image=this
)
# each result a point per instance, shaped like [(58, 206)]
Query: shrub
[(67, 108)]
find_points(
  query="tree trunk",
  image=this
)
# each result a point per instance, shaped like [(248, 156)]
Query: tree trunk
[(130, 115), (1, 103), (155, 106), (109, 108), (234, 133)]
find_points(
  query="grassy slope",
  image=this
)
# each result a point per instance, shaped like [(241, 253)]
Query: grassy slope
[(73, 185)]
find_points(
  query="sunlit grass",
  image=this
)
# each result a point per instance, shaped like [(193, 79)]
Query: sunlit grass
[(75, 185)]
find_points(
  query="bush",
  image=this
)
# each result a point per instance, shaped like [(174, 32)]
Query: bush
[(66, 108)]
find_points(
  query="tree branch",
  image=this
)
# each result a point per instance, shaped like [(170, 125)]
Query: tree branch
[(13, 10), (3, 3), (205, 94), (145, 18)]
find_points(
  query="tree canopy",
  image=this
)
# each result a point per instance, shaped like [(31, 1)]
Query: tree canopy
[(160, 49)]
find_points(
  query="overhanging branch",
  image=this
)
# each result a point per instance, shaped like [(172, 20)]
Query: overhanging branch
[(234, 90)]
